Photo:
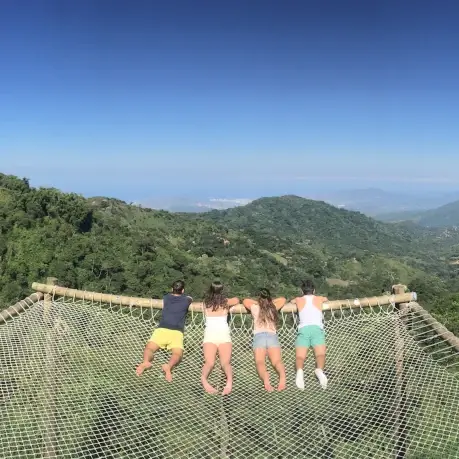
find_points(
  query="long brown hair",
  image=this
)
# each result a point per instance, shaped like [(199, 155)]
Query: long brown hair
[(215, 298), (268, 313)]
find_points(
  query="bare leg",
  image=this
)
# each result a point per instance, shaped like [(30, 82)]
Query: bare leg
[(275, 355), (260, 362), (319, 354), (224, 351), (175, 358), (210, 352), (148, 355), (301, 354)]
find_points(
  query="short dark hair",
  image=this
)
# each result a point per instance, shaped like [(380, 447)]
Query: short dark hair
[(178, 286), (308, 287)]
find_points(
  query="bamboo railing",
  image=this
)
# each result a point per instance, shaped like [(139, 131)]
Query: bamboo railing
[(20, 306), (440, 329), (56, 290)]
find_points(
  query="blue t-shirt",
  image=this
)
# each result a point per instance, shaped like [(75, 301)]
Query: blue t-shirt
[(175, 308)]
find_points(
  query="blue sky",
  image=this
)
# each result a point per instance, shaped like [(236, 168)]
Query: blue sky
[(240, 98)]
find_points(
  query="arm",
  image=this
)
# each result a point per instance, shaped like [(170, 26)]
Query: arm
[(279, 303), (233, 301), (248, 303)]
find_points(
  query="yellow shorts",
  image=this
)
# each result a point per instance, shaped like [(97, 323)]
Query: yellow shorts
[(167, 339)]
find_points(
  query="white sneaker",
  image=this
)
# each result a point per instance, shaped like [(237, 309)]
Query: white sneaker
[(321, 377), (299, 381)]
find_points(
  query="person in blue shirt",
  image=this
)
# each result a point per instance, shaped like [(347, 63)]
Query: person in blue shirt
[(169, 334)]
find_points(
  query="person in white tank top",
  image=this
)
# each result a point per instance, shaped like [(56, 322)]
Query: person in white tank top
[(310, 334), (217, 337), (265, 342)]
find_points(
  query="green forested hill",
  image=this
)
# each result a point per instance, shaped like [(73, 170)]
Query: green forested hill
[(106, 245)]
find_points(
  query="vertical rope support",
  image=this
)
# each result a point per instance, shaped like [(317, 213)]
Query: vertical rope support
[(401, 428), (225, 436), (49, 437)]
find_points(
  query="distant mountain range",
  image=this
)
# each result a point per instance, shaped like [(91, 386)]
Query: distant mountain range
[(447, 215), (375, 202), (383, 205)]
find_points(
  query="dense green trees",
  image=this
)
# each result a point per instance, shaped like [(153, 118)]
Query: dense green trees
[(106, 245)]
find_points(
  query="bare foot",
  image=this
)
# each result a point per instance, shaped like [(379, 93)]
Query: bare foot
[(207, 387), (282, 385), (267, 383), (167, 372), (142, 367), (228, 388), (268, 386)]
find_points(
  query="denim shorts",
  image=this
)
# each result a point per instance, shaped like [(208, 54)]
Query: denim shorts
[(264, 340)]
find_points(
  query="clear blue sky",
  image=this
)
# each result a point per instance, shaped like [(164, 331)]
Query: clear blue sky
[(235, 97)]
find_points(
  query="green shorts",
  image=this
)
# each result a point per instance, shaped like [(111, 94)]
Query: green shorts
[(310, 336)]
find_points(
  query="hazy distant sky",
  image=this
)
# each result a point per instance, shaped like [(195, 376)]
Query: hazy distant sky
[(239, 98)]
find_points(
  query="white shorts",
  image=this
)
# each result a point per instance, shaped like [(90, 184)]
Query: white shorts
[(217, 335)]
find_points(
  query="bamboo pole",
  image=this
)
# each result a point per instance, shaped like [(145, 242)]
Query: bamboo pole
[(55, 290), (440, 329), (20, 306)]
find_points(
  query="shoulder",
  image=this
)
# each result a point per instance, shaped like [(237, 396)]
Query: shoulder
[(279, 302), (187, 299), (300, 301), (319, 301)]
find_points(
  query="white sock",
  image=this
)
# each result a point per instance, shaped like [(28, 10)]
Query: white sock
[(321, 377), (299, 381)]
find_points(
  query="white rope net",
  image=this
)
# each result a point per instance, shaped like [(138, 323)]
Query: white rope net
[(68, 389)]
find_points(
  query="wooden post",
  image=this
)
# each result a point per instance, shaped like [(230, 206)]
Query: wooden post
[(401, 434), (49, 436), (47, 303), (399, 289)]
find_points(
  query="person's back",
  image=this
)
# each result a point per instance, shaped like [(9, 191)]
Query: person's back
[(310, 310), (175, 308), (216, 314)]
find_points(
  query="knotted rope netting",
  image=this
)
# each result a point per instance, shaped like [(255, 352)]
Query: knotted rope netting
[(69, 389)]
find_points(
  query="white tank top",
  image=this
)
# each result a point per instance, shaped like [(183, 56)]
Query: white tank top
[(310, 314)]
